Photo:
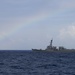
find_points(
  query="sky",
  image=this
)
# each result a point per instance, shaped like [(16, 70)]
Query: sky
[(27, 24)]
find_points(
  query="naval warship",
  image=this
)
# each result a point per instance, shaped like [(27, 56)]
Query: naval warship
[(52, 48)]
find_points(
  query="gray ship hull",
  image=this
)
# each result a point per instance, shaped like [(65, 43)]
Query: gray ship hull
[(51, 48), (66, 50)]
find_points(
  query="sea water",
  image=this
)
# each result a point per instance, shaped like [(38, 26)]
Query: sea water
[(37, 63)]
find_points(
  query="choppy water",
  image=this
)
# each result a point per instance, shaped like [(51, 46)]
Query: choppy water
[(37, 63)]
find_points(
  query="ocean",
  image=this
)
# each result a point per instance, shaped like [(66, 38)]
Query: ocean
[(36, 63)]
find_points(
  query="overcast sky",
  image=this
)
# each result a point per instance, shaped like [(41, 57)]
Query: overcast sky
[(27, 24)]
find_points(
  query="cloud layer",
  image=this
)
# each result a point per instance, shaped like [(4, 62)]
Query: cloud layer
[(67, 32), (25, 24)]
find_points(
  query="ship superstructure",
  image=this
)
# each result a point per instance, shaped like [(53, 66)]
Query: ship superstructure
[(51, 47)]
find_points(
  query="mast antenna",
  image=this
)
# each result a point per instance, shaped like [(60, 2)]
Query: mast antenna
[(51, 42)]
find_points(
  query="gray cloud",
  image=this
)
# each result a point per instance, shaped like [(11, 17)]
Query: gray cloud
[(32, 23)]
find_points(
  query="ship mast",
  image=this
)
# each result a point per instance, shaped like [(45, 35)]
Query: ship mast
[(51, 43)]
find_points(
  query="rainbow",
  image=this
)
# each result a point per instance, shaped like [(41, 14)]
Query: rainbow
[(29, 21)]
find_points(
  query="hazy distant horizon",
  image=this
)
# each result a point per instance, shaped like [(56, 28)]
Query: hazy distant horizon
[(27, 24)]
